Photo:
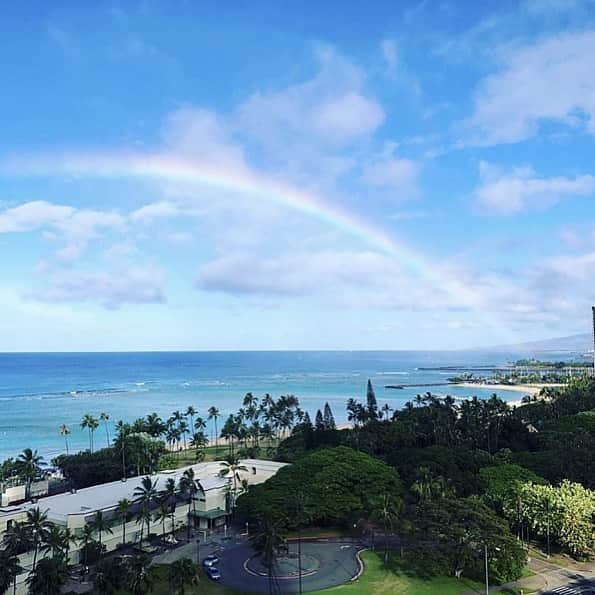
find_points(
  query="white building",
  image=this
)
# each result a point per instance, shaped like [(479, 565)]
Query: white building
[(74, 510)]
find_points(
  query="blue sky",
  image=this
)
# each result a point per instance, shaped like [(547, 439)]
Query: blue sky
[(281, 175)]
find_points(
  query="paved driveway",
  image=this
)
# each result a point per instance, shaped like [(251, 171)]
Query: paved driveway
[(338, 564)]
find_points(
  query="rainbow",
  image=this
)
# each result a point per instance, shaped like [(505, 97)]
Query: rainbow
[(253, 186)]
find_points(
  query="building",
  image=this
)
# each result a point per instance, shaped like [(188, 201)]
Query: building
[(208, 512), (13, 490)]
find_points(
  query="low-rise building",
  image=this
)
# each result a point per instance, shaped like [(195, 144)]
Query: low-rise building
[(208, 511)]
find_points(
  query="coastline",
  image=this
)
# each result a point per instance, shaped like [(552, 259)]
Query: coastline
[(527, 389)]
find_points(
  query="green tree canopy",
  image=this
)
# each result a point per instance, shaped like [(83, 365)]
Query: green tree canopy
[(453, 536), (338, 483), (567, 510), (502, 484)]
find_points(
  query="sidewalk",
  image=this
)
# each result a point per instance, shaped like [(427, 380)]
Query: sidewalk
[(547, 576)]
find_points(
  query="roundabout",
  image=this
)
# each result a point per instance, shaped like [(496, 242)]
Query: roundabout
[(285, 567), (324, 564)]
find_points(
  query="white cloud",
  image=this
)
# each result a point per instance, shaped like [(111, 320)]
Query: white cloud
[(202, 135), (75, 228), (156, 210), (347, 117), (548, 81), (390, 54), (388, 171), (505, 193), (332, 108), (112, 289), (33, 215), (337, 278)]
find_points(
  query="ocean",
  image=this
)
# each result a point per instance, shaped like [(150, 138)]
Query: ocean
[(39, 392)]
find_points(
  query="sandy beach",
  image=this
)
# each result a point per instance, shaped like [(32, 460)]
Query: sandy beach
[(527, 389)]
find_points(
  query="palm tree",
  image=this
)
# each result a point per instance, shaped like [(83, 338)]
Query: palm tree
[(386, 511), (85, 539), (48, 577), (214, 415), (104, 417), (190, 486), (162, 514), (141, 577), (183, 428), (385, 411), (143, 517), (181, 573), (198, 442), (38, 525), (267, 542), (10, 569), (170, 497), (28, 465), (65, 431), (56, 541), (100, 525), (91, 424), (123, 510), (144, 495), (191, 412), (232, 466), (155, 425), (300, 512), (17, 539)]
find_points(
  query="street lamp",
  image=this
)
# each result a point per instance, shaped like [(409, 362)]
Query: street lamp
[(486, 564), (198, 548), (123, 456)]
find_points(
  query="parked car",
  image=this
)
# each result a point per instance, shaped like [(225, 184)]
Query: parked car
[(210, 560), (213, 573)]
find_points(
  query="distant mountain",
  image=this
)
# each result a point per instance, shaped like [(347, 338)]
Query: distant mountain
[(578, 343)]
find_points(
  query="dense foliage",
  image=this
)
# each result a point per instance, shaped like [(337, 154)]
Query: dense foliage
[(452, 536), (480, 451), (565, 512), (338, 485)]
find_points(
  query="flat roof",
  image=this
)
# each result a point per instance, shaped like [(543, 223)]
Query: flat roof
[(106, 496)]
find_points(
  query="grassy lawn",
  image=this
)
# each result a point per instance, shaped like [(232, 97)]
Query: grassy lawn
[(205, 586), (318, 532), (376, 579), (187, 457)]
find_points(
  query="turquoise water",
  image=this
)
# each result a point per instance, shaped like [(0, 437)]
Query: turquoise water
[(39, 392)]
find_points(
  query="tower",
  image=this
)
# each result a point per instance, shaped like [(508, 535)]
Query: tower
[(593, 311)]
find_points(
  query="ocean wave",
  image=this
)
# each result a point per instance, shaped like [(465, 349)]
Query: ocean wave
[(392, 373), (76, 393)]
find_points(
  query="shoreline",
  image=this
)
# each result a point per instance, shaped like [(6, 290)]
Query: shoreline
[(528, 389)]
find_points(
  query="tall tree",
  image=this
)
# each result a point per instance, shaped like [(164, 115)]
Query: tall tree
[(37, 523), (65, 431), (329, 418), (319, 421), (141, 576), (10, 569), (100, 526), (91, 424), (191, 412), (28, 465), (162, 514), (48, 577), (267, 542), (372, 404), (182, 573), (386, 511), (214, 415), (56, 541), (145, 494), (190, 486), (104, 417), (231, 467), (123, 510)]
